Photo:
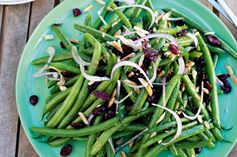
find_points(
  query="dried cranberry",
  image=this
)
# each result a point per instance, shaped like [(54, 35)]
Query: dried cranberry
[(127, 49), (202, 76), (182, 32), (99, 111), (134, 38), (117, 3), (136, 75), (144, 44), (226, 87), (174, 49), (223, 77), (67, 74), (214, 41), (198, 150), (181, 86), (101, 95), (66, 150), (34, 99), (200, 62), (179, 23), (151, 53), (62, 45), (93, 86), (76, 12), (206, 98), (145, 64), (77, 125), (108, 115), (207, 85)]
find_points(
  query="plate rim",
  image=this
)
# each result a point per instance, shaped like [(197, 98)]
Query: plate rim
[(41, 23)]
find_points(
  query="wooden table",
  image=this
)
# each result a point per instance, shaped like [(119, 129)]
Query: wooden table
[(16, 25)]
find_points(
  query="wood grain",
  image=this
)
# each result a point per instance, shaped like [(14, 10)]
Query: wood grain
[(14, 30), (37, 14), (1, 14)]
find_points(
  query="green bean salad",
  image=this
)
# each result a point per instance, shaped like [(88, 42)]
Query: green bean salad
[(143, 79)]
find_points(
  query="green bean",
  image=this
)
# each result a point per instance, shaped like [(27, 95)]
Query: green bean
[(109, 150), (181, 153), (92, 138), (101, 153), (68, 84), (84, 91), (193, 139), (115, 28), (68, 102), (166, 61), (122, 134), (56, 100), (190, 152), (209, 135), (62, 66), (205, 137), (159, 137), (150, 5), (172, 31), (91, 98), (51, 83), (195, 54), (123, 18), (184, 135), (87, 51), (171, 102), (103, 138), (66, 42), (173, 150), (56, 58), (217, 134), (191, 90), (135, 127), (163, 24), (228, 49), (137, 11), (111, 60), (212, 78), (128, 89), (190, 145), (58, 142), (103, 13), (76, 132), (87, 21), (140, 100), (98, 34), (215, 50)]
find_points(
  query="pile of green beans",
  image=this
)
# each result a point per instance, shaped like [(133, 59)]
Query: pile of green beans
[(105, 123)]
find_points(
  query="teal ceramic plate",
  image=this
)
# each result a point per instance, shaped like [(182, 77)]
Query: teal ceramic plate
[(36, 47)]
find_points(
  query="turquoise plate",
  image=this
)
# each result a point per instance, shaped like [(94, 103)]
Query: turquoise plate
[(36, 47)]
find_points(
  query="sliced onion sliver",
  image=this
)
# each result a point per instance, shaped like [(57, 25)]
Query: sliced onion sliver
[(129, 63), (163, 90), (178, 120), (118, 94), (135, 45), (82, 65), (51, 52), (174, 19), (219, 81), (132, 139), (140, 6), (92, 78), (77, 57), (181, 65), (172, 39), (44, 74), (193, 37), (101, 17), (122, 100), (199, 109)]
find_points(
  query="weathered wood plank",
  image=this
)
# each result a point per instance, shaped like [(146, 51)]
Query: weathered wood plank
[(14, 33), (37, 14), (206, 3), (233, 5), (1, 14)]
